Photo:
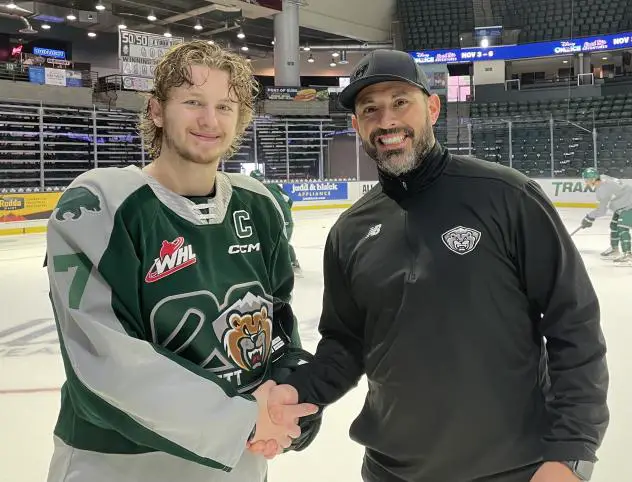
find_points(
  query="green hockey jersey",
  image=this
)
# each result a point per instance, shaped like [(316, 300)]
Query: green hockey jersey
[(284, 201), (165, 309)]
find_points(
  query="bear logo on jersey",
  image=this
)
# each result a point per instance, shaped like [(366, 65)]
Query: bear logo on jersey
[(74, 200), (249, 338), (461, 240), (233, 338)]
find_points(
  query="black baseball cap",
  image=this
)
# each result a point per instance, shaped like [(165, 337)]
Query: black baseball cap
[(383, 66)]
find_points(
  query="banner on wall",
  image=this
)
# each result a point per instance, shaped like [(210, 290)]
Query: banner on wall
[(61, 77), (365, 187), (568, 191), (139, 53), (526, 51), (27, 206), (297, 94), (317, 191)]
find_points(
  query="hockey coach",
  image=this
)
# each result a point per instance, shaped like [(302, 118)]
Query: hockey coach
[(455, 288)]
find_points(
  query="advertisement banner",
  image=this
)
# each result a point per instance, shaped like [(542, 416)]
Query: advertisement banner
[(139, 53), (568, 192), (317, 191), (297, 94), (27, 206), (525, 51), (366, 186)]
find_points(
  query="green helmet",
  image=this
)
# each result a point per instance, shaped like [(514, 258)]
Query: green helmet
[(257, 174), (590, 173)]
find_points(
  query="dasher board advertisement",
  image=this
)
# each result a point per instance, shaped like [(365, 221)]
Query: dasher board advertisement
[(139, 52)]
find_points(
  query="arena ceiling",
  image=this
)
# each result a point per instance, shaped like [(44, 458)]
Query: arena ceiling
[(224, 20)]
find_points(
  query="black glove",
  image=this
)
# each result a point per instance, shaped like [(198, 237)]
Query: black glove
[(587, 222), (281, 369)]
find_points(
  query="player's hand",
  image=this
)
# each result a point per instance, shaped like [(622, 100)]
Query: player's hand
[(554, 472), (277, 423), (587, 222)]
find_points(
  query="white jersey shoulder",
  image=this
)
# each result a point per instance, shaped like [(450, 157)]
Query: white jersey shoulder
[(610, 179), (112, 185)]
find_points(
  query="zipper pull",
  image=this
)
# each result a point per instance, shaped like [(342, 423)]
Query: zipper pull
[(404, 184)]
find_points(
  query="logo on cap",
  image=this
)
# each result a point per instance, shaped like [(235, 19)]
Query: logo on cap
[(360, 72)]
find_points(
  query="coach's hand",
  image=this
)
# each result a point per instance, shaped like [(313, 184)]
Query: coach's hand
[(277, 423)]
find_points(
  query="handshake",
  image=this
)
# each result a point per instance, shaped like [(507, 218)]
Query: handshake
[(278, 418)]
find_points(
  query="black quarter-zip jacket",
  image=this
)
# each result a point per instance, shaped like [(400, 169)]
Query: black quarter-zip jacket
[(440, 287)]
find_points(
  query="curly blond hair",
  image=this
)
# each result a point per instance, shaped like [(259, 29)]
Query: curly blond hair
[(173, 70)]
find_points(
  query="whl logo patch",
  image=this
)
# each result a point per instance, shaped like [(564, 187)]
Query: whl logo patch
[(174, 256), (461, 240)]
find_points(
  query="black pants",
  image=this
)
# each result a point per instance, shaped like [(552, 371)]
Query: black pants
[(524, 474)]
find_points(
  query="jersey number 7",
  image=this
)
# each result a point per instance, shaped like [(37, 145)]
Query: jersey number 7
[(64, 262)]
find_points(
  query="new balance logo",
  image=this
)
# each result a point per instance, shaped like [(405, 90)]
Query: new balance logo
[(374, 230), (244, 248), (174, 256)]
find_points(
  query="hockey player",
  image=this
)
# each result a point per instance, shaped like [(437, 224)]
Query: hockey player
[(613, 195), (285, 201), (454, 286), (170, 288)]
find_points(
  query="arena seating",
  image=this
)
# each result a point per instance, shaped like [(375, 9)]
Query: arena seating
[(573, 146), (541, 20), (434, 24), (64, 138)]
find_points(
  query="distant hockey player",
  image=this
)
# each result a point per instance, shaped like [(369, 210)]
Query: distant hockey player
[(170, 287), (615, 196), (285, 201)]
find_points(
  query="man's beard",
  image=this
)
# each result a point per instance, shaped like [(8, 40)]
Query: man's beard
[(180, 148), (400, 161)]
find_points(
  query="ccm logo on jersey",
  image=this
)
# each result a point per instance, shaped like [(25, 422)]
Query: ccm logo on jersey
[(174, 256), (244, 248)]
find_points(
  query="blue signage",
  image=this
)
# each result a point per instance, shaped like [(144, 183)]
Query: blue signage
[(52, 53), (525, 51), (317, 191), (37, 75)]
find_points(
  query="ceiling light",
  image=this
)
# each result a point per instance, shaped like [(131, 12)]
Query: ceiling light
[(11, 5), (307, 48), (198, 26), (122, 25), (311, 59), (241, 34), (45, 26), (604, 58), (564, 61), (245, 48), (71, 16), (100, 6), (92, 34), (335, 54), (151, 17), (167, 34), (272, 42), (332, 64)]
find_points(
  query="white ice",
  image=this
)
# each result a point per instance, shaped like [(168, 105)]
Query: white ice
[(31, 370)]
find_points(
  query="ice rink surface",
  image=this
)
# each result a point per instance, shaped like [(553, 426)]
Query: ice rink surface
[(31, 370)]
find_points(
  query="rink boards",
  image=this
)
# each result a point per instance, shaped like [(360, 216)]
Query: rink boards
[(27, 212)]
